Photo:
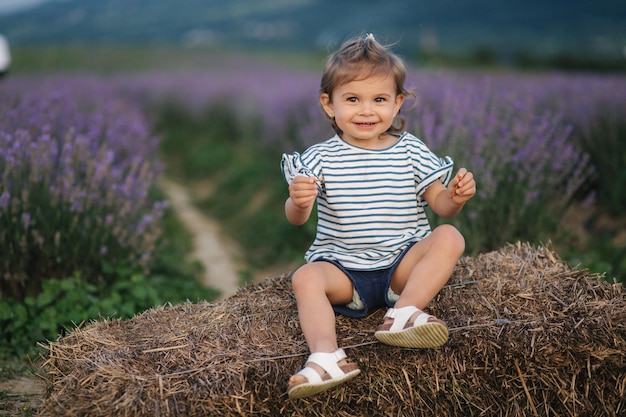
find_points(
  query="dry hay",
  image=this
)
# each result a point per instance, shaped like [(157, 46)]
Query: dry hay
[(529, 336)]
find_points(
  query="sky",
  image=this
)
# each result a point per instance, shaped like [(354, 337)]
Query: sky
[(8, 6)]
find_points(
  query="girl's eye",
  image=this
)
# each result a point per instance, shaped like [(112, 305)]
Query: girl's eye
[(352, 99), (380, 100)]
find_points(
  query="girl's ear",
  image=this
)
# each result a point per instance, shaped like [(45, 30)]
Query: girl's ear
[(398, 104), (327, 105)]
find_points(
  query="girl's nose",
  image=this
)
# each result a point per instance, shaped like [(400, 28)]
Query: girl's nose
[(366, 108)]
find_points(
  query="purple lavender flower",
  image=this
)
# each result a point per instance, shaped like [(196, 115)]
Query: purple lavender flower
[(73, 151)]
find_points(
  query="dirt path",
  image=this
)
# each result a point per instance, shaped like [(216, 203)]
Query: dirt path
[(210, 248), (21, 396)]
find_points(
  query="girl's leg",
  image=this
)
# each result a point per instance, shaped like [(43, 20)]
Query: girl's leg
[(421, 274), (317, 286), (427, 266)]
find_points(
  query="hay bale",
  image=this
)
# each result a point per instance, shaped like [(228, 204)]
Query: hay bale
[(529, 336)]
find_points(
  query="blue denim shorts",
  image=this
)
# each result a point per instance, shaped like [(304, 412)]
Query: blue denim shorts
[(371, 287)]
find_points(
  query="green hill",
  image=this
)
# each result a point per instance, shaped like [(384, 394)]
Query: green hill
[(595, 28)]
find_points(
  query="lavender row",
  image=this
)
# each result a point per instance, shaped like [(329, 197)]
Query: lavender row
[(537, 142), (77, 162)]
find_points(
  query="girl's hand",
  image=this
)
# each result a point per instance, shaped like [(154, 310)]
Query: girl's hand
[(462, 187), (303, 191)]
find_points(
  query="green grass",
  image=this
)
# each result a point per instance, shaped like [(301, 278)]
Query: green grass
[(64, 59), (63, 303)]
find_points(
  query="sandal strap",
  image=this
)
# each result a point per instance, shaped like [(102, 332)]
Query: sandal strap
[(311, 375), (329, 362), (402, 315)]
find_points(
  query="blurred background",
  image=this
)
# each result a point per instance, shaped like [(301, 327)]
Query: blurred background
[(578, 34), (102, 99)]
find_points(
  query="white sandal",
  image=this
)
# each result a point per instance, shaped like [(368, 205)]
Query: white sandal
[(425, 331), (317, 383)]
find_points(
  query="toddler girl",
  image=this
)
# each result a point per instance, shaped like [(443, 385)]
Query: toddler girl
[(374, 246)]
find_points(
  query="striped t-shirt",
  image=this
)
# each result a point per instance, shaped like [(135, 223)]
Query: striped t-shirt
[(370, 206)]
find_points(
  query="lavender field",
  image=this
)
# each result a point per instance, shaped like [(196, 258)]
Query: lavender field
[(541, 145), (80, 156)]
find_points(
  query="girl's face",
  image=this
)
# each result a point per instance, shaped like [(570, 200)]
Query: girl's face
[(364, 110)]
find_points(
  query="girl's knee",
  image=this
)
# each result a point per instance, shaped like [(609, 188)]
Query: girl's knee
[(298, 280), (304, 279), (321, 279), (453, 239)]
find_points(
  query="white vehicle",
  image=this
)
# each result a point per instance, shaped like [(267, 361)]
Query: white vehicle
[(5, 56)]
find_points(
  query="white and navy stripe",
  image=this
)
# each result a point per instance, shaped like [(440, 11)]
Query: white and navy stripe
[(371, 205)]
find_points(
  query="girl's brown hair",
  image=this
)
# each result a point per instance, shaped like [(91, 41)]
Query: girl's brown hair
[(360, 58)]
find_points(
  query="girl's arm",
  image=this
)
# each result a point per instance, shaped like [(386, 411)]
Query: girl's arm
[(448, 202), (302, 194)]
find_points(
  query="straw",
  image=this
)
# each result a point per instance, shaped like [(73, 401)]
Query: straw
[(529, 335)]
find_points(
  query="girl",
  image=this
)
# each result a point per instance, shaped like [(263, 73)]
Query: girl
[(374, 246)]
